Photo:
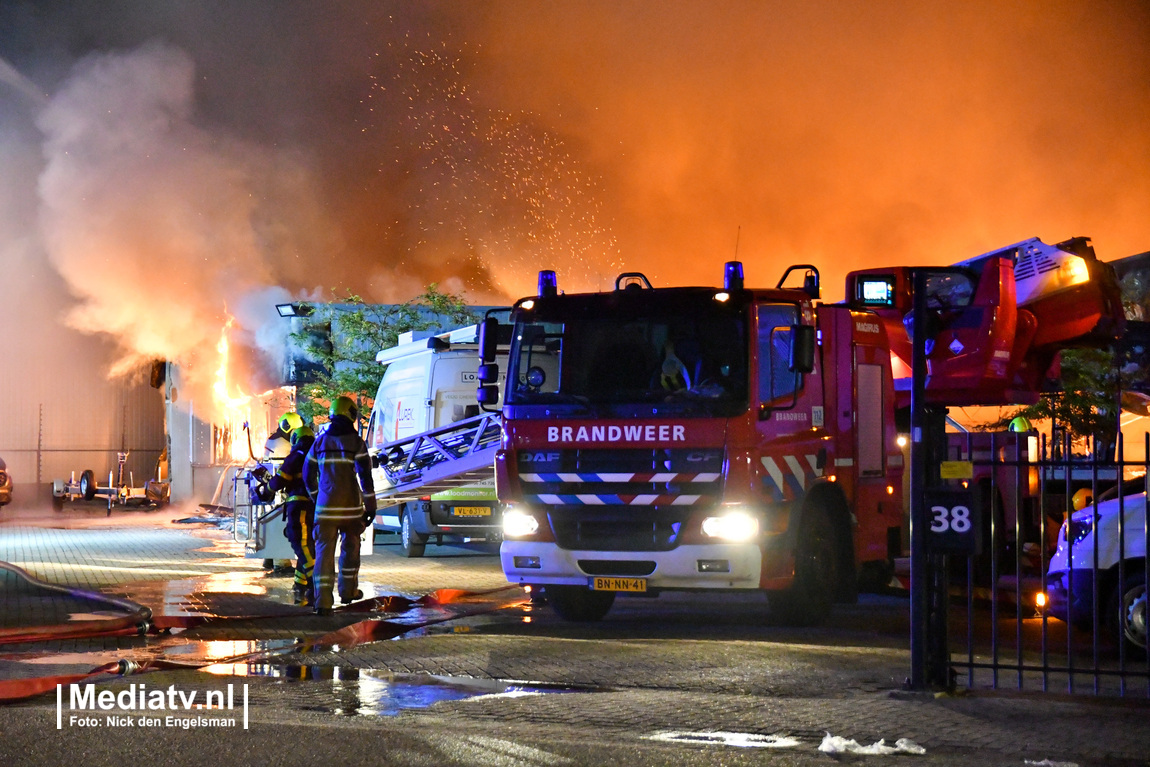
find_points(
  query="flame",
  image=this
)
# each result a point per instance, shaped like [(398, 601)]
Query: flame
[(233, 411)]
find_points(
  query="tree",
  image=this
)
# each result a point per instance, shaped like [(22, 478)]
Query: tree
[(344, 337), (1086, 407)]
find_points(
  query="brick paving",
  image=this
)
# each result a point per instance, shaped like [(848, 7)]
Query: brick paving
[(644, 670)]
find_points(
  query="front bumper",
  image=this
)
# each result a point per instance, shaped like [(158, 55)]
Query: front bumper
[(675, 569), (1070, 596)]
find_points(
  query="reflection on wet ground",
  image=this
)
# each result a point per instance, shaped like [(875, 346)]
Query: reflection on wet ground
[(366, 692)]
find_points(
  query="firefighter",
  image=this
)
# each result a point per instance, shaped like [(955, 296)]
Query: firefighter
[(673, 374), (278, 444), (299, 512), (338, 476), (276, 448)]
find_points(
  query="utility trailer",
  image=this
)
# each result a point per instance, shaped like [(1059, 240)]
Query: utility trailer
[(118, 492)]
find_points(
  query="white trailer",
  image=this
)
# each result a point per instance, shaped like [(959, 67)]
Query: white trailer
[(428, 387)]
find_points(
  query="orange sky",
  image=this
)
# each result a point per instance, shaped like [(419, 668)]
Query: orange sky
[(215, 158)]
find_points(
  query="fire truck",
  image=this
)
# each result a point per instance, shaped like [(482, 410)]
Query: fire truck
[(729, 438)]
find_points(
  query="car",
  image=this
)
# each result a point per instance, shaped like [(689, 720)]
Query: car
[(1120, 577), (5, 484)]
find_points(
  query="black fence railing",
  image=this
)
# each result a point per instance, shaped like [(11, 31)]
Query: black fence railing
[(1055, 597)]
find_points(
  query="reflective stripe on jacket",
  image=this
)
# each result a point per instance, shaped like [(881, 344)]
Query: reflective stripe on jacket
[(336, 468)]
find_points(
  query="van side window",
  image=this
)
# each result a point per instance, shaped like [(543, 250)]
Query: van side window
[(776, 379)]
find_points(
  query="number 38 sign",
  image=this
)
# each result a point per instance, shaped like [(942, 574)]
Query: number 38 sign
[(955, 524)]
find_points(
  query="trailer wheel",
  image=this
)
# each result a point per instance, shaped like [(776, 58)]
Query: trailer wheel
[(1126, 611), (808, 601), (411, 542), (577, 603), (88, 485)]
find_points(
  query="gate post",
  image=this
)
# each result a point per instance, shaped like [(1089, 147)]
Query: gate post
[(929, 592)]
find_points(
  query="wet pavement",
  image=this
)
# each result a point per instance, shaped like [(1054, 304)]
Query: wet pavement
[(492, 679)]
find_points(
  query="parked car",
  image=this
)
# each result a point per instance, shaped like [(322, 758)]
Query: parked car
[(5, 484), (1121, 591)]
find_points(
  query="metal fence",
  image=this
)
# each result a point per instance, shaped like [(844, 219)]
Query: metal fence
[(1051, 593)]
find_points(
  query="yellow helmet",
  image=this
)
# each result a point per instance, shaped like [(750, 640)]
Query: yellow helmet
[(344, 406), (290, 421), (300, 433), (1020, 423), (1082, 499)]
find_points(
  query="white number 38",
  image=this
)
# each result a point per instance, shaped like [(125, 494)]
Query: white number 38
[(956, 518)]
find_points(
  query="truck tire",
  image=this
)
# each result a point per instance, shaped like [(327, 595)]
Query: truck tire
[(88, 485), (411, 542), (808, 601), (1126, 611), (577, 603)]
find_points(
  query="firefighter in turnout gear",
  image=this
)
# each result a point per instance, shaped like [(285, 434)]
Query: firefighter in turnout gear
[(278, 444), (338, 476), (299, 512)]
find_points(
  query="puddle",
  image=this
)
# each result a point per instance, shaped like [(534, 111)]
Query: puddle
[(369, 692)]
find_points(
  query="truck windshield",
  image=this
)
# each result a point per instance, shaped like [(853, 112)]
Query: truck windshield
[(627, 353)]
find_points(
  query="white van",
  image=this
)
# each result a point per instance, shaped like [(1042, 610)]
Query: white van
[(430, 382)]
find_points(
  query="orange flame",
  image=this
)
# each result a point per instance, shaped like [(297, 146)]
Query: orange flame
[(233, 411)]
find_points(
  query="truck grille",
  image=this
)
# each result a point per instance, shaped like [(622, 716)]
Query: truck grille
[(620, 500)]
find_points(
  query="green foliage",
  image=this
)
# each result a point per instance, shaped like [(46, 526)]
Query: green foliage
[(344, 338), (1087, 404)]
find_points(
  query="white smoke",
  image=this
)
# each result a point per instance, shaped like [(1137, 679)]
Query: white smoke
[(160, 226)]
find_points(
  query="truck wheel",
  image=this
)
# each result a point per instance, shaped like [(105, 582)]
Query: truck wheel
[(808, 601), (88, 485), (410, 541), (1126, 611), (576, 603)]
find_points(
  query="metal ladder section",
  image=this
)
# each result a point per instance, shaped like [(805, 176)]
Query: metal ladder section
[(458, 454)]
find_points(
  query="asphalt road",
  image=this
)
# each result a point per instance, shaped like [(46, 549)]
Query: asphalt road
[(685, 679)]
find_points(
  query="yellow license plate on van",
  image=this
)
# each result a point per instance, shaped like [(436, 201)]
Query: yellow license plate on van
[(619, 584), (472, 511)]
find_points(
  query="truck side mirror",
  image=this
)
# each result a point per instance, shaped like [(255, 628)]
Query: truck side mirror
[(487, 394), (488, 373), (488, 339), (802, 349)]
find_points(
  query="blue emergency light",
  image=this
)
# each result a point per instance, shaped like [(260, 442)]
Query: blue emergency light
[(548, 285), (733, 275)]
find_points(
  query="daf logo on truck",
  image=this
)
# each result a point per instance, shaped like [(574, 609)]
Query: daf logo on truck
[(539, 457), (626, 433)]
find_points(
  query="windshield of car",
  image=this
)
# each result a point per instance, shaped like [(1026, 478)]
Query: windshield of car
[(631, 352)]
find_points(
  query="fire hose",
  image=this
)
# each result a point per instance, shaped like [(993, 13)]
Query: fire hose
[(369, 630)]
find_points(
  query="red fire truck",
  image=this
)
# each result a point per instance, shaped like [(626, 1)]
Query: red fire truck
[(745, 439)]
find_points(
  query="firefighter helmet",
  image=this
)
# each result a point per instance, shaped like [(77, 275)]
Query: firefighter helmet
[(1020, 423), (1082, 499), (300, 433), (290, 421), (344, 406)]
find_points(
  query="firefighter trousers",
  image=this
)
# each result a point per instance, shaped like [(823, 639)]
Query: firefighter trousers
[(300, 518), (327, 532)]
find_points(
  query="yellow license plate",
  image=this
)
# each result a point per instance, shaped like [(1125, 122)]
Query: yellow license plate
[(619, 584), (472, 511)]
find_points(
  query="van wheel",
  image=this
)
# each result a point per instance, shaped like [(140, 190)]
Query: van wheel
[(1126, 612), (88, 485), (411, 542), (576, 603), (808, 601)]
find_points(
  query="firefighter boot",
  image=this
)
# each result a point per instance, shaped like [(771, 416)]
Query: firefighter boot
[(349, 598), (301, 595)]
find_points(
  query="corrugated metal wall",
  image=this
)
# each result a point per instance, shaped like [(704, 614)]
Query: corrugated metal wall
[(60, 413)]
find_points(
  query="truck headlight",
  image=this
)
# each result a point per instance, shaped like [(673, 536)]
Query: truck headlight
[(518, 524), (734, 526)]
